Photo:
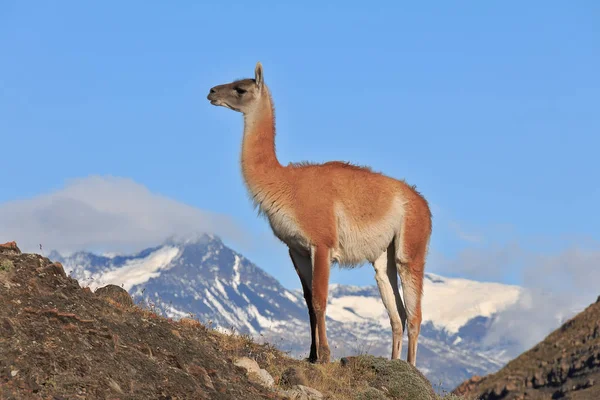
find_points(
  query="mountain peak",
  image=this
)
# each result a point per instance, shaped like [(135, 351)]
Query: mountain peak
[(191, 239)]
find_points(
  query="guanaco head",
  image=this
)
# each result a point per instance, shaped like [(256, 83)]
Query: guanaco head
[(240, 95)]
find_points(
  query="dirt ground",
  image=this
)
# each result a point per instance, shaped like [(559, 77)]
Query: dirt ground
[(61, 341)]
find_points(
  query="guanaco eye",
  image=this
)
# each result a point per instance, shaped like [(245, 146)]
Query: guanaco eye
[(240, 90)]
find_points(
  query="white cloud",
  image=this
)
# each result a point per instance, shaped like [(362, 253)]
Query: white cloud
[(558, 286), (493, 263), (107, 214)]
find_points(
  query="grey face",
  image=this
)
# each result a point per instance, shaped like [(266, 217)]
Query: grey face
[(238, 95)]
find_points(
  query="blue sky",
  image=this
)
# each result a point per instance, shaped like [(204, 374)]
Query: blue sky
[(491, 109)]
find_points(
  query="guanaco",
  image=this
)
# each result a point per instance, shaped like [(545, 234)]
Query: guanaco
[(333, 213)]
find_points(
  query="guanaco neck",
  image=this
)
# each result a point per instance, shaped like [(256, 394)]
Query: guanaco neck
[(260, 167)]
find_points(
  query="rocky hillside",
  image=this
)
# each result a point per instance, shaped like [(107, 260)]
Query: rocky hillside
[(200, 276), (565, 365), (61, 341)]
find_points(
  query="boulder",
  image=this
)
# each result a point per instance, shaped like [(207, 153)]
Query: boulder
[(10, 248), (301, 392), (115, 293), (396, 378), (254, 372)]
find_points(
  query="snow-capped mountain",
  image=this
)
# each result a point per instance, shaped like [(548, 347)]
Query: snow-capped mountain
[(204, 278)]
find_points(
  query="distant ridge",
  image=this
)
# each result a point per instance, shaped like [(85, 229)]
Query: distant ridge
[(565, 365)]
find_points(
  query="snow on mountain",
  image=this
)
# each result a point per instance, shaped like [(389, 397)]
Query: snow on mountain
[(200, 276), (448, 303), (138, 271), (121, 270)]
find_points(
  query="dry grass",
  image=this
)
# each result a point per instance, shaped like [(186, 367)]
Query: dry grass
[(334, 380), (6, 265)]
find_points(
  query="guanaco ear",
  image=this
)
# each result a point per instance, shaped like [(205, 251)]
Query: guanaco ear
[(258, 75)]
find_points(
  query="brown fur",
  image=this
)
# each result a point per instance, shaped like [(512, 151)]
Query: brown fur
[(305, 196)]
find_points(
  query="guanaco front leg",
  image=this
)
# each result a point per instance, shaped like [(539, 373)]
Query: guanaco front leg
[(303, 266), (320, 256)]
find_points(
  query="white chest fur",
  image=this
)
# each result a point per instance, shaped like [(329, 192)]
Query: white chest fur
[(286, 228)]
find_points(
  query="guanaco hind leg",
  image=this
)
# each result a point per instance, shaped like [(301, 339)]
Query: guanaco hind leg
[(411, 275), (386, 276)]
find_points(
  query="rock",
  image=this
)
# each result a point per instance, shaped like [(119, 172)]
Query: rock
[(189, 322), (538, 380), (200, 372), (115, 293), (301, 392), (114, 385), (9, 248), (55, 268), (248, 364), (293, 376), (396, 378), (265, 378), (219, 383), (254, 372), (371, 394), (498, 391), (467, 386)]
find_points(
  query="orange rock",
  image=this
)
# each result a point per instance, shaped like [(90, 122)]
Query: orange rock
[(9, 248)]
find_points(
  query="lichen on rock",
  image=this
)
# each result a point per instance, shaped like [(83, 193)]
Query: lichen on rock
[(396, 379)]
